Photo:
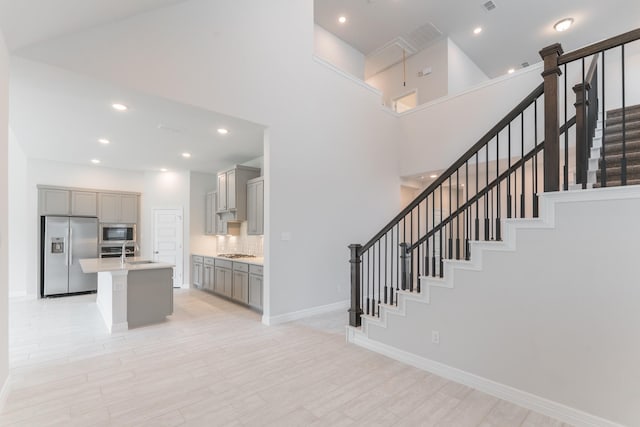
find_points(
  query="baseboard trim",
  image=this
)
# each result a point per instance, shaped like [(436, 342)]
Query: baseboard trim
[(307, 312), (4, 392), (527, 400)]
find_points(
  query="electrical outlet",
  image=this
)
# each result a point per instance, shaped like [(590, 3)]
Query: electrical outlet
[(435, 337)]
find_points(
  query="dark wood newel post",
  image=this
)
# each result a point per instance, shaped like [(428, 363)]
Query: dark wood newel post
[(582, 147), (355, 311), (550, 74)]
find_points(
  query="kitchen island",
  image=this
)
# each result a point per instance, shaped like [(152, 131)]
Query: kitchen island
[(135, 293)]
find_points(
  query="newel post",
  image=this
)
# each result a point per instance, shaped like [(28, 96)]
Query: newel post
[(355, 311), (582, 147), (550, 74), (405, 266)]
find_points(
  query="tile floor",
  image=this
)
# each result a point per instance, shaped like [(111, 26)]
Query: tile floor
[(214, 364)]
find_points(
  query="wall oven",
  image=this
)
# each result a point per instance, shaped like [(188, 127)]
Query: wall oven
[(117, 234), (116, 251)]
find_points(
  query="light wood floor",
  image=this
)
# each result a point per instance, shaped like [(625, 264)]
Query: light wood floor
[(213, 363)]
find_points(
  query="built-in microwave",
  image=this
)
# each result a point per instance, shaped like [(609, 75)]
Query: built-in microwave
[(117, 233)]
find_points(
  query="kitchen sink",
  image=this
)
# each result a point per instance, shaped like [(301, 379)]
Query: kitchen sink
[(144, 261)]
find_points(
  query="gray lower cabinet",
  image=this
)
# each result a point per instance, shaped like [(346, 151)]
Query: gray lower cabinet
[(255, 287), (197, 270), (209, 274), (224, 277), (240, 290), (238, 281)]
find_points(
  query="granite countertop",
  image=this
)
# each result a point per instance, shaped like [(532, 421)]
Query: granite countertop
[(254, 260), (98, 265)]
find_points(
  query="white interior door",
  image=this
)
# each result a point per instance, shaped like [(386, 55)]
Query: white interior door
[(167, 240)]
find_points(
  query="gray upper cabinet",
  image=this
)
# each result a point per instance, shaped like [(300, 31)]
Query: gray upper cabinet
[(255, 207), (211, 219), (114, 207), (54, 201), (232, 191), (84, 203)]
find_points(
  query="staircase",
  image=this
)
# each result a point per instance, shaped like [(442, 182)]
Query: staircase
[(534, 327), (611, 162)]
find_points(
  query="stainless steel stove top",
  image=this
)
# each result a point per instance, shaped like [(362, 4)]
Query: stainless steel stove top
[(233, 256)]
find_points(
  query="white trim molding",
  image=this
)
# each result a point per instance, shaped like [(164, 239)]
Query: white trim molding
[(522, 398), (307, 312)]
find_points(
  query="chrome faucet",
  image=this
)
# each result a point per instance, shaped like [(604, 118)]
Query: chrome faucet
[(123, 256)]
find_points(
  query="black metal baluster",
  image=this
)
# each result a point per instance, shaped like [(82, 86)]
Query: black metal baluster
[(368, 277), (458, 215), (411, 244), (392, 259), (379, 274), (468, 210), (603, 166), (509, 170), (440, 233), (566, 135), (522, 192), (426, 227), (533, 176), (451, 221), (386, 267), (498, 234), (419, 258), (535, 158), (486, 198), (477, 222), (623, 164), (398, 264)]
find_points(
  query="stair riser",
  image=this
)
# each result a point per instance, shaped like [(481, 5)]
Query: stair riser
[(634, 109), (617, 121), (617, 129), (616, 148)]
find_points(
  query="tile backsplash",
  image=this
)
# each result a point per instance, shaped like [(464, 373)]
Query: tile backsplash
[(243, 243)]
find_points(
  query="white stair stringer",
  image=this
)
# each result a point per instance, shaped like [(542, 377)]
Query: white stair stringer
[(511, 227)]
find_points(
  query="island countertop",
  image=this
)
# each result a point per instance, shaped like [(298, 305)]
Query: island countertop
[(99, 265)]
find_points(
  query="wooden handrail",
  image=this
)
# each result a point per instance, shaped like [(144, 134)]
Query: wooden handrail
[(600, 46), (530, 99), (592, 68)]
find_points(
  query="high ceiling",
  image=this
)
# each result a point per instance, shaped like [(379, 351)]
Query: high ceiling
[(513, 32), (25, 22), (73, 112)]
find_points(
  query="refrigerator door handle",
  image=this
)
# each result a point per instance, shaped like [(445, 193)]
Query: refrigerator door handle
[(70, 260)]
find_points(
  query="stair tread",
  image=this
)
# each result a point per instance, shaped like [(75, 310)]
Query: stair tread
[(618, 111)]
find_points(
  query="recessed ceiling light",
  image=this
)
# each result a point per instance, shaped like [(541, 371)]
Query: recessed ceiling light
[(478, 30), (433, 176), (164, 170), (563, 25), (342, 19), (186, 155), (103, 141), (223, 131), (95, 161), (511, 70), (120, 107)]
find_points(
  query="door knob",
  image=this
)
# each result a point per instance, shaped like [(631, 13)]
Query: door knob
[(156, 252)]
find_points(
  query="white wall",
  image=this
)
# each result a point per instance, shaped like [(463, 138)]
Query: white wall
[(463, 73), (331, 149), (432, 86), (200, 185), (438, 133), (166, 190), (4, 217), (557, 317), (46, 172), (338, 52), (19, 218)]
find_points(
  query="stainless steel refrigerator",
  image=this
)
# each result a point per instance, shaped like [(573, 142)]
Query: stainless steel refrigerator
[(64, 241)]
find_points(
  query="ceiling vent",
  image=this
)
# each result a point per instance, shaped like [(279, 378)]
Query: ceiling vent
[(423, 36), (525, 64), (489, 6), (171, 129)]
